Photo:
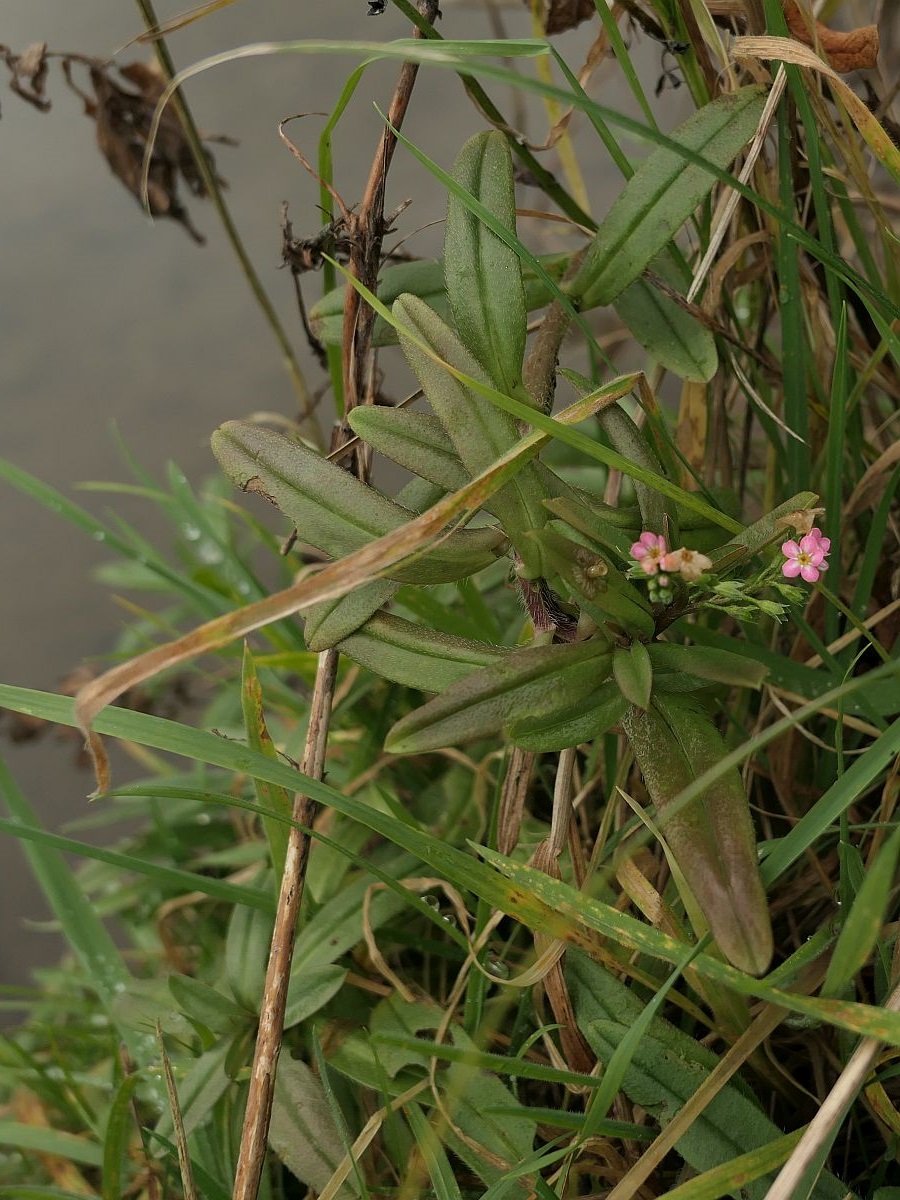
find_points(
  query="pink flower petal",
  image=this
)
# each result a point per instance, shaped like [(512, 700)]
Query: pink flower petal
[(791, 549), (791, 568), (638, 550), (809, 573)]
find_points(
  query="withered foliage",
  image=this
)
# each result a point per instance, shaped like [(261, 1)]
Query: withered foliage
[(566, 14), (28, 73), (121, 102)]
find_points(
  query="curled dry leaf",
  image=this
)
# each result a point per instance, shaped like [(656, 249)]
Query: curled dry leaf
[(855, 50), (29, 73), (122, 109), (566, 14)]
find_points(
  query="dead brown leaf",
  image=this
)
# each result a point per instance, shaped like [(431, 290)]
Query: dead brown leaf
[(121, 103), (855, 50), (566, 14), (29, 73)]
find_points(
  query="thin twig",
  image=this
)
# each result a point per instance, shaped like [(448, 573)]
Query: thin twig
[(367, 231), (258, 1113), (214, 191)]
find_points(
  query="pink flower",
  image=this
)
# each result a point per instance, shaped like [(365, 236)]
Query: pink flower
[(649, 550), (690, 564), (806, 558)]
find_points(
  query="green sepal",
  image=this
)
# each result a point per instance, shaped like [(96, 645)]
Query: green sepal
[(539, 682), (334, 511), (673, 336), (416, 656), (599, 589), (633, 673), (708, 665), (480, 432), (662, 194), (483, 275), (711, 838), (583, 722)]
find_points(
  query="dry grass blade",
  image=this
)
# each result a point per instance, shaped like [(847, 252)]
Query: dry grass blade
[(787, 50), (827, 1120)]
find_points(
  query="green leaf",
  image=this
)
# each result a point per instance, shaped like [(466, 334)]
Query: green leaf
[(443, 1180), (86, 935), (246, 953), (705, 663), (414, 440), (273, 799), (303, 1132), (334, 511), (633, 673), (469, 1093), (51, 1141), (310, 991), (200, 1090), (424, 279), (482, 273), (330, 622), (712, 838), (480, 432), (414, 655), (119, 1128), (662, 194), (674, 337), (539, 681), (532, 897), (206, 1005), (666, 1069), (864, 922), (583, 722)]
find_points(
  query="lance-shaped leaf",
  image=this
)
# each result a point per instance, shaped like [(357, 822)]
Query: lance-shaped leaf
[(414, 655), (673, 336), (662, 194), (666, 1070), (633, 673), (583, 722), (333, 620), (482, 273), (332, 510), (708, 665), (414, 440), (274, 800), (712, 838), (774, 526), (480, 432), (424, 279), (539, 682), (419, 442)]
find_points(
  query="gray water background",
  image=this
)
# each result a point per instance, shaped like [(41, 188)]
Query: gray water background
[(107, 317)]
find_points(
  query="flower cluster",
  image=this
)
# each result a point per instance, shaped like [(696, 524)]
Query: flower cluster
[(656, 560), (806, 558)]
